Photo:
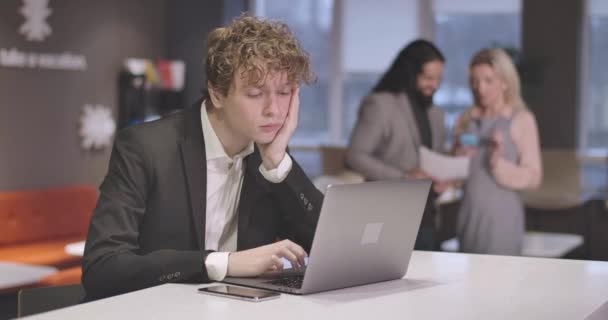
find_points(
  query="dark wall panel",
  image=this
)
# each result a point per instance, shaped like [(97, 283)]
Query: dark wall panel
[(189, 22), (552, 33), (39, 109)]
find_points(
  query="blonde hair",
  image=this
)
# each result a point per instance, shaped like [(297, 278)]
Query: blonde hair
[(503, 65), (254, 47)]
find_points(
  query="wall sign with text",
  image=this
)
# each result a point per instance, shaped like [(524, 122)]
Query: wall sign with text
[(35, 28)]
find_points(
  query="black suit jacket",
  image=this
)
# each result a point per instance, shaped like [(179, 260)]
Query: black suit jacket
[(149, 224)]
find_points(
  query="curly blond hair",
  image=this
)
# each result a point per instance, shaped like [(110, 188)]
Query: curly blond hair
[(255, 48)]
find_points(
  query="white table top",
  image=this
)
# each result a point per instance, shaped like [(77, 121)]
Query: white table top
[(550, 244), (438, 286), (17, 274), (75, 248), (536, 244)]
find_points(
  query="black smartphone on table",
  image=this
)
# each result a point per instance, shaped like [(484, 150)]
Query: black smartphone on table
[(241, 293)]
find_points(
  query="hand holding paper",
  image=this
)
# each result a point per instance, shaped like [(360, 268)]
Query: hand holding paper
[(443, 167)]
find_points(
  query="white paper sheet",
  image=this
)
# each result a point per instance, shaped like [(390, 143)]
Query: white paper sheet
[(443, 167)]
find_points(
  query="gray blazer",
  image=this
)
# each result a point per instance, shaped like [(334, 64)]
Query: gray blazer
[(384, 143)]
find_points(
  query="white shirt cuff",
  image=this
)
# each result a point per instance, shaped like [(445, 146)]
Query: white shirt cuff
[(279, 173), (217, 265)]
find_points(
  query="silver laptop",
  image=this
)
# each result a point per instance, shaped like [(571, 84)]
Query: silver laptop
[(365, 234)]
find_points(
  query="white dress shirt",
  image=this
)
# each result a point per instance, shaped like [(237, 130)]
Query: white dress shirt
[(224, 181)]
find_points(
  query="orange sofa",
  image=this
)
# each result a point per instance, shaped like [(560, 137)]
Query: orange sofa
[(37, 225)]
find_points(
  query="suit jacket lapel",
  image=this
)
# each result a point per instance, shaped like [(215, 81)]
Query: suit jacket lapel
[(195, 169), (405, 105), (436, 121)]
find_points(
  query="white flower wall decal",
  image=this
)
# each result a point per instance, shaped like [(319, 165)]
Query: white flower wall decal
[(96, 127), (35, 12)]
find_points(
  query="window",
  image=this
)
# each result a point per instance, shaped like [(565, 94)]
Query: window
[(356, 86), (595, 91), (372, 36), (460, 31), (355, 45), (311, 23), (353, 42)]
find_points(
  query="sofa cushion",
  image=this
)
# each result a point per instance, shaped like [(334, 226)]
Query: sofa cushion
[(48, 253), (40, 215)]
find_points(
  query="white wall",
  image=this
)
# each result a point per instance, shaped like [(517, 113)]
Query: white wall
[(598, 7), (477, 6), (375, 31)]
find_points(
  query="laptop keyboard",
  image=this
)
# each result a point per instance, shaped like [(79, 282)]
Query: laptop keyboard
[(290, 282)]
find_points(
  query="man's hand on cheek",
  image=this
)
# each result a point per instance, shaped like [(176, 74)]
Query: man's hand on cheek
[(273, 152)]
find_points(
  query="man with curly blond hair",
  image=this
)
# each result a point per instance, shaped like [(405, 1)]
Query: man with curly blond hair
[(211, 191)]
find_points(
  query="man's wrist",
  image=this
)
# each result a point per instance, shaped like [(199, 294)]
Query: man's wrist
[(216, 264), (278, 174), (271, 163)]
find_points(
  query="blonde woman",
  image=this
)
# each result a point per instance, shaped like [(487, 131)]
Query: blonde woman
[(501, 137)]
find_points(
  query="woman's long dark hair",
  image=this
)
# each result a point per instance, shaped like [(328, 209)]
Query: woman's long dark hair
[(401, 76)]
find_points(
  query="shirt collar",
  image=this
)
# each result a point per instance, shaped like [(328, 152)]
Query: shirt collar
[(213, 147)]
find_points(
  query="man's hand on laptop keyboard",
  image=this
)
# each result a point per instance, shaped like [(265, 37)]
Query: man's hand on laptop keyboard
[(254, 262)]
